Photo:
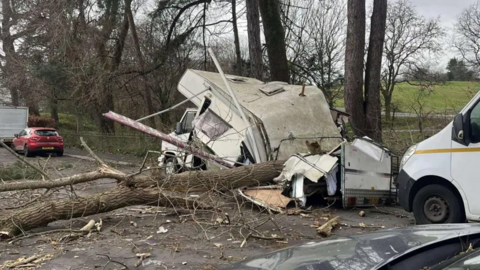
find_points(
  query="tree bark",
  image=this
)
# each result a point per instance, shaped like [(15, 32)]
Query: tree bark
[(43, 213), (141, 60), (9, 51), (354, 53), (106, 101), (65, 181), (373, 68), (238, 54), (140, 190), (275, 40), (254, 44), (226, 179)]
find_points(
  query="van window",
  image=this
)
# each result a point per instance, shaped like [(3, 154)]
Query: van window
[(187, 121), (475, 124)]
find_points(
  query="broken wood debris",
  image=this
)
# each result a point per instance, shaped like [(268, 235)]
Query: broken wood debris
[(141, 257), (22, 262), (326, 229), (268, 197)]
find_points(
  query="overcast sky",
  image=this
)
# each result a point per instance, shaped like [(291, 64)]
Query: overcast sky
[(448, 10)]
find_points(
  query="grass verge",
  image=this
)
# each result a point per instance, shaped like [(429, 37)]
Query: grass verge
[(17, 171)]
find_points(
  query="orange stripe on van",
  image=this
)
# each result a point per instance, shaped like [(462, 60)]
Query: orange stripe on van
[(448, 150)]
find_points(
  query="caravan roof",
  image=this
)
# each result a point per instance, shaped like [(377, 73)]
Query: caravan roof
[(282, 110)]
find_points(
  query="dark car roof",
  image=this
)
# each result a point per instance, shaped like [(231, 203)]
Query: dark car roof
[(358, 252)]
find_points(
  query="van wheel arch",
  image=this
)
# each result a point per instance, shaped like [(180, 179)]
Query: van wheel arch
[(430, 180), (168, 155)]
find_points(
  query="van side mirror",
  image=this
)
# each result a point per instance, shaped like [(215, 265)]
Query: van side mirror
[(460, 130), (178, 128)]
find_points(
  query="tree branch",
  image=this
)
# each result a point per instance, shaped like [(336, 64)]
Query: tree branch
[(24, 160), (65, 181)]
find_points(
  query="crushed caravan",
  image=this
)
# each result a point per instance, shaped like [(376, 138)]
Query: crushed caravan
[(359, 174), (242, 120), (282, 121), (286, 126)]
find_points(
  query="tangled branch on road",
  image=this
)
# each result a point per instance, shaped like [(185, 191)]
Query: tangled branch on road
[(155, 189)]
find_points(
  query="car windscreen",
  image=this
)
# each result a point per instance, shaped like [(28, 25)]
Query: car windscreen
[(46, 132), (465, 261)]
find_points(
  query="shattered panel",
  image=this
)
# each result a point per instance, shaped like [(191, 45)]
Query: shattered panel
[(267, 197), (312, 167)]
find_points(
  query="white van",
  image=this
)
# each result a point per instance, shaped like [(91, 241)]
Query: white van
[(438, 179)]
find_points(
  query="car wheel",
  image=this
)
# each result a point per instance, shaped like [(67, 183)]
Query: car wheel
[(60, 153), (437, 204), (171, 166), (26, 152)]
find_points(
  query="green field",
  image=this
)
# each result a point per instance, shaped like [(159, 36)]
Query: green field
[(449, 97)]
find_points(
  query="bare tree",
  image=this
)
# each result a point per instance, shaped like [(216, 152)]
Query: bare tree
[(238, 54), (275, 40), (315, 38), (20, 20), (254, 44), (409, 39), (9, 49), (467, 35), (141, 60)]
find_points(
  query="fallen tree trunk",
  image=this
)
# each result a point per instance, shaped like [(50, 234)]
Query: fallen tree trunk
[(141, 190), (225, 179), (16, 222), (187, 181), (64, 181)]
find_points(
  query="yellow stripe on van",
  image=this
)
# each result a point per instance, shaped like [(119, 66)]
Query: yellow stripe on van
[(448, 150)]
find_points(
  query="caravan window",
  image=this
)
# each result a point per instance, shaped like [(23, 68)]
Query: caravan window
[(212, 125)]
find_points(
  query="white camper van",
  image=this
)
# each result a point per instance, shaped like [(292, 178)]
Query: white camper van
[(282, 118), (438, 180)]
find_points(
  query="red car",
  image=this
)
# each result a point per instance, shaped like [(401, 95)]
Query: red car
[(38, 140)]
